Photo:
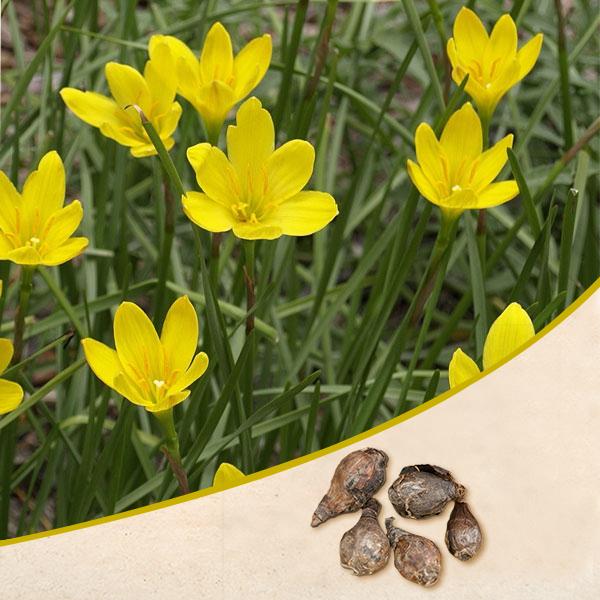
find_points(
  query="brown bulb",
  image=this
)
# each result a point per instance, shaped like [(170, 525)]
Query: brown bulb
[(356, 479), (423, 491), (416, 558), (365, 548), (463, 534)]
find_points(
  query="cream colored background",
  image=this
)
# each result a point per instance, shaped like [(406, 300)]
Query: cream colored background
[(525, 440)]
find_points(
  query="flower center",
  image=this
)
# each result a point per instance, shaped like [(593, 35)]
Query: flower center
[(456, 188), (34, 242), (158, 383)]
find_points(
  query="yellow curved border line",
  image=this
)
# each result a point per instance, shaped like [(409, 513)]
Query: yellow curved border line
[(308, 457)]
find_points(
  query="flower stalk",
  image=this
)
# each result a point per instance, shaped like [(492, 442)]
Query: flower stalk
[(170, 175), (442, 244), (250, 286), (171, 448), (24, 296)]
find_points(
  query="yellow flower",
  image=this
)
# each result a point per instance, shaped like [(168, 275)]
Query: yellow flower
[(150, 371), (256, 190), (507, 334), (153, 92), (227, 476), (35, 227), (217, 81), (11, 393), (493, 63), (454, 173)]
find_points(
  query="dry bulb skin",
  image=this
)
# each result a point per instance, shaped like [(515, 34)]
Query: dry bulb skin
[(423, 491), (356, 480), (463, 534), (416, 558), (365, 548)]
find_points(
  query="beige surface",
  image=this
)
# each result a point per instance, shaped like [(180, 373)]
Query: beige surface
[(525, 440)]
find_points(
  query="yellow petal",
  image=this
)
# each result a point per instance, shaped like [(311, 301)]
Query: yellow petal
[(127, 86), (251, 141), (65, 252), (422, 183), (507, 334), (44, 189), (181, 57), (25, 255), (103, 361), (138, 346), (6, 353), (506, 79), (166, 124), (461, 369), (188, 78), (141, 150), (62, 224), (303, 214), (167, 402), (497, 193), (179, 336), (288, 169), (207, 213), (528, 54), (127, 387), (491, 163), (216, 60), (216, 176), (480, 94), (161, 78), (10, 199), (6, 246), (227, 476), (213, 101), (429, 153), (462, 138), (125, 135), (258, 231), (93, 108), (251, 64), (196, 370), (470, 35), (197, 154), (11, 394), (459, 200), (503, 41)]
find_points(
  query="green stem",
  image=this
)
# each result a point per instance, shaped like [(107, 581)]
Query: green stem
[(212, 137), (443, 241), (249, 249), (563, 65), (415, 23), (24, 296), (171, 448), (485, 129), (430, 307), (62, 340), (165, 254), (249, 279), (163, 153), (566, 158), (63, 301), (170, 175)]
